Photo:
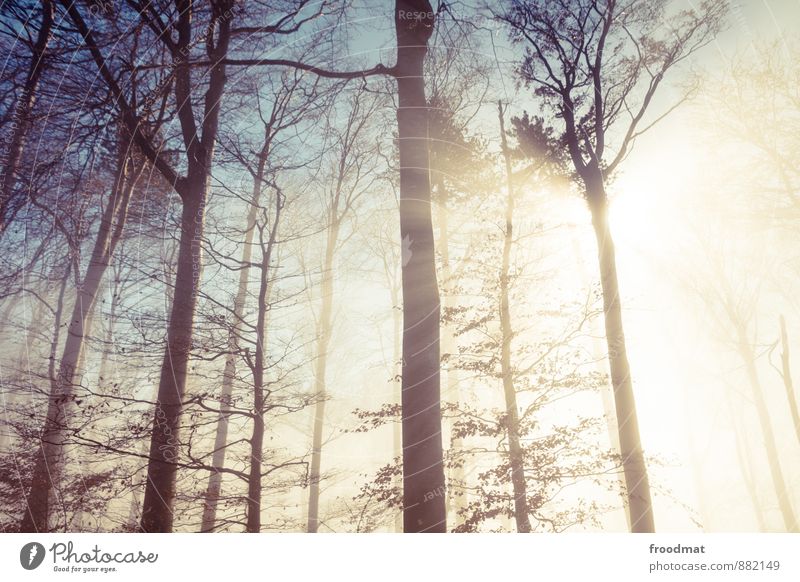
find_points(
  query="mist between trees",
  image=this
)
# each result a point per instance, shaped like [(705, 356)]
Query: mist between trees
[(343, 267)]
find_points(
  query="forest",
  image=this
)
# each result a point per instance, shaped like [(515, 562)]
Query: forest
[(368, 266)]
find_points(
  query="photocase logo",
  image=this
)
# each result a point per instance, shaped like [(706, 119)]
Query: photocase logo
[(31, 555)]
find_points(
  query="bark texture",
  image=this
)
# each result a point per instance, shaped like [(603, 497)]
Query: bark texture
[(423, 471)]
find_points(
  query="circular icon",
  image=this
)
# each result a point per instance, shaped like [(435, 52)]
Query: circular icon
[(31, 555)]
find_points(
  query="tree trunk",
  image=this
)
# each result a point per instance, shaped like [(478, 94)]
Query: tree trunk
[(259, 401), (159, 494), (778, 482), (20, 122), (162, 469), (103, 369), (135, 508), (320, 371), (256, 452), (787, 378), (515, 452), (606, 391), (257, 436), (37, 503), (423, 471), (229, 374), (746, 469), (633, 465), (11, 398), (49, 460), (79, 516), (397, 370)]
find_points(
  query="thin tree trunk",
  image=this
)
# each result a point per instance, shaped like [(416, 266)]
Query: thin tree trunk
[(320, 371), (11, 397), (787, 378), (696, 465), (49, 460), (33, 507), (103, 369), (21, 120), (515, 452), (341, 200), (423, 471), (778, 481), (633, 464), (745, 467), (257, 437), (135, 508), (259, 398), (211, 499), (256, 452), (397, 370)]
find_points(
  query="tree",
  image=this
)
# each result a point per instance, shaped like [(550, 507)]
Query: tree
[(198, 141), (515, 454), (349, 181), (423, 467), (21, 119), (260, 394), (786, 376), (736, 316), (285, 114), (423, 471), (49, 459), (593, 64)]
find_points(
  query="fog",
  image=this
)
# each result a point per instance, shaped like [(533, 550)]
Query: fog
[(703, 209)]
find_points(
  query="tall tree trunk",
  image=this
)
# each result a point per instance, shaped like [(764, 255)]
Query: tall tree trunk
[(256, 452), (633, 464), (423, 470), (49, 460), (162, 470), (159, 494), (21, 120), (214, 486), (103, 372), (320, 371), (515, 452), (34, 511), (606, 391), (259, 400), (778, 481), (79, 517), (786, 373)]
